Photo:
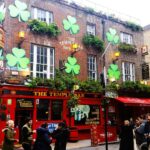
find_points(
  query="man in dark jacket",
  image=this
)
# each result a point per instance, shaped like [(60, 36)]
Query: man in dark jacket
[(43, 140), (27, 134), (61, 134)]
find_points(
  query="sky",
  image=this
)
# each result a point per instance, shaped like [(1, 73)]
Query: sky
[(137, 11)]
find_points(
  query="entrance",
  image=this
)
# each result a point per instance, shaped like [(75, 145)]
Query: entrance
[(20, 119)]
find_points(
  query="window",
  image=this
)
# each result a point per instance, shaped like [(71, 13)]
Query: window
[(128, 71), (49, 109), (42, 61), (92, 68), (86, 114), (42, 15), (43, 109), (91, 29), (57, 107), (126, 38)]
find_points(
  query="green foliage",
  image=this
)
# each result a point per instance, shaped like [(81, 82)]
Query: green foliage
[(124, 47), (19, 9), (134, 27), (112, 87), (90, 86), (93, 41), (40, 27), (64, 81), (134, 88), (73, 101)]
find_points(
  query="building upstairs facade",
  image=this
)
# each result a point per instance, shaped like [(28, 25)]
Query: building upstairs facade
[(47, 46)]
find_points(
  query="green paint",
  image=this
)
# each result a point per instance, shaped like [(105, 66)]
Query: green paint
[(17, 59), (2, 13), (19, 9), (112, 37), (71, 66), (70, 25), (113, 72)]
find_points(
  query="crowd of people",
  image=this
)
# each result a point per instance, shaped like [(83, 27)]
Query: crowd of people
[(43, 140), (140, 130)]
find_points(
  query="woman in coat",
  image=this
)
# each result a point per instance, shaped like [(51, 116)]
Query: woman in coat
[(126, 137), (9, 136)]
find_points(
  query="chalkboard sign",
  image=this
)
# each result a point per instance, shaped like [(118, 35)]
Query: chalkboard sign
[(145, 71)]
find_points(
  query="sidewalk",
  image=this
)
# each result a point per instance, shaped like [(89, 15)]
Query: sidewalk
[(71, 145)]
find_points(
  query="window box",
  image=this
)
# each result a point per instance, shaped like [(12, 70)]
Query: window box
[(123, 47)]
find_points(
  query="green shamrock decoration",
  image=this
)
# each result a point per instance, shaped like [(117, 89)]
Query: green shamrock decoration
[(113, 72), (112, 37), (1, 54), (71, 25), (2, 13), (17, 59), (71, 66), (19, 10)]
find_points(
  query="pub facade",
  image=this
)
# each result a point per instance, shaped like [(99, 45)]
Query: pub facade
[(47, 35)]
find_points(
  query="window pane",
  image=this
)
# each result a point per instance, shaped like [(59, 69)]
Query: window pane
[(43, 109), (86, 114), (57, 106)]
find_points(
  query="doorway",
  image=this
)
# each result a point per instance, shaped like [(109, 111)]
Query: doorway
[(20, 119)]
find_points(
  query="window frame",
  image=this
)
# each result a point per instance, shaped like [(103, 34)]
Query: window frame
[(49, 64), (91, 25), (94, 62), (126, 38), (128, 74), (48, 15)]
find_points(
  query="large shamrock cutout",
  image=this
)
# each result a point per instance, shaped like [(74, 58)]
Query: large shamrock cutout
[(71, 66), (113, 72), (71, 25), (19, 10), (17, 59), (2, 13), (1, 54), (112, 37)]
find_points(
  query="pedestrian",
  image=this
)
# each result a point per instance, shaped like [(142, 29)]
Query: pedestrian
[(27, 135), (147, 130), (61, 134), (43, 139), (126, 136), (9, 140)]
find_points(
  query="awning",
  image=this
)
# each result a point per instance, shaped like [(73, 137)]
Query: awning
[(131, 101)]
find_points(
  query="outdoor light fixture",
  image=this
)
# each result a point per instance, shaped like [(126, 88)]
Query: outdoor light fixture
[(117, 54), (21, 36), (74, 48)]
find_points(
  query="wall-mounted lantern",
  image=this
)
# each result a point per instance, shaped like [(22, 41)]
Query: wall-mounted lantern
[(21, 36), (74, 48), (117, 54)]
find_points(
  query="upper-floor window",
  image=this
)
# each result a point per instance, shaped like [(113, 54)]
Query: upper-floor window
[(42, 15), (91, 29), (42, 61), (92, 67), (126, 38), (128, 71)]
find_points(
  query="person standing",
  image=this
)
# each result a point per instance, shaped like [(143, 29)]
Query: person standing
[(61, 134), (126, 137), (147, 130), (27, 135), (9, 136), (43, 140)]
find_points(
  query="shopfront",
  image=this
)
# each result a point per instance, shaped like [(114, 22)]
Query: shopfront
[(44, 105)]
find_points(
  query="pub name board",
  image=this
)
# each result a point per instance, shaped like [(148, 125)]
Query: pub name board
[(62, 94)]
